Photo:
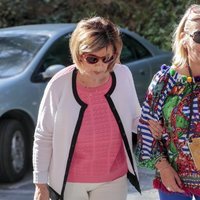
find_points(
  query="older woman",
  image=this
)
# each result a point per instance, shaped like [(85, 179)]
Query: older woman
[(82, 147)]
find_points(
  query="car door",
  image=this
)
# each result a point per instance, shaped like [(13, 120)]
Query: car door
[(136, 56), (57, 53)]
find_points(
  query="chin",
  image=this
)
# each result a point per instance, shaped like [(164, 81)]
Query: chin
[(97, 73)]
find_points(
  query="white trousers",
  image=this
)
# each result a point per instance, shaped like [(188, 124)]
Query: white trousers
[(113, 190)]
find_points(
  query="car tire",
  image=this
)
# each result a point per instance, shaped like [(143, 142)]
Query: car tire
[(13, 151)]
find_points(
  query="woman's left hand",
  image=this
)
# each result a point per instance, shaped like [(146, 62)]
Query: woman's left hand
[(41, 192), (156, 129), (171, 180), (169, 176)]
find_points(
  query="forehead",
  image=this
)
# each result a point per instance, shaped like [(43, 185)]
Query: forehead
[(104, 51), (192, 26)]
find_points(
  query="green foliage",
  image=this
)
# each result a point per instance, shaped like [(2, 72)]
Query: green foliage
[(10, 14), (153, 19), (160, 19)]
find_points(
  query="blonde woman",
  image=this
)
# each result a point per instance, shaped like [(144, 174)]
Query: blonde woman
[(83, 148), (169, 128)]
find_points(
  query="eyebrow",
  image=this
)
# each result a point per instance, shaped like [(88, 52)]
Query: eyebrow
[(90, 54)]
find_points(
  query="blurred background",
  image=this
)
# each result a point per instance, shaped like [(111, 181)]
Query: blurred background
[(153, 19)]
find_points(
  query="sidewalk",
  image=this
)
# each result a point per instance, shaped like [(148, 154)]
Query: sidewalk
[(148, 193)]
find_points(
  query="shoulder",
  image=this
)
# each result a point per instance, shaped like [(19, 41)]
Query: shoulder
[(160, 86), (120, 67), (161, 78), (62, 76), (163, 73), (122, 71), (64, 73), (156, 94)]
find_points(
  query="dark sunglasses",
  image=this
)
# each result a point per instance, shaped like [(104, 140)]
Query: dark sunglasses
[(195, 36), (93, 59)]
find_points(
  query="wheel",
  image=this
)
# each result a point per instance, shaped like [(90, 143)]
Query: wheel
[(13, 151)]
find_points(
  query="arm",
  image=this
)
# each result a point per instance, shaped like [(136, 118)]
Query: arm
[(41, 192), (156, 129), (150, 150), (42, 147), (136, 104), (137, 111)]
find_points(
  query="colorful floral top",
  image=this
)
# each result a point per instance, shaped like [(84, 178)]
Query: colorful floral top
[(168, 100)]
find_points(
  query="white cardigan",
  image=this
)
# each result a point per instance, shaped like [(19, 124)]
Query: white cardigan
[(60, 115)]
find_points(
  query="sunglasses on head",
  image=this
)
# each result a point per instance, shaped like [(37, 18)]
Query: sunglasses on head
[(93, 59), (195, 36)]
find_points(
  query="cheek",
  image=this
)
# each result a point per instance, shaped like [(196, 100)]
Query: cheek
[(198, 47), (194, 52), (194, 48)]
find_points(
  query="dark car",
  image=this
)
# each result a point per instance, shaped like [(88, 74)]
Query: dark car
[(30, 55)]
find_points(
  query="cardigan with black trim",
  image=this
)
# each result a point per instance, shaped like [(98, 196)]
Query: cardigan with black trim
[(60, 115)]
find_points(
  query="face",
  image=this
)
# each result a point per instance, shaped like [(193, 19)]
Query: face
[(192, 42), (95, 65)]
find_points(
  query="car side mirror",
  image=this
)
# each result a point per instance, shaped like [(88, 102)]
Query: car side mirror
[(51, 71)]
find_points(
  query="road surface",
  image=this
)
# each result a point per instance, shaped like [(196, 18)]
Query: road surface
[(24, 189)]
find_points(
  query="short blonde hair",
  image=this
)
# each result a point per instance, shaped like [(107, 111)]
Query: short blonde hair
[(92, 35), (180, 58)]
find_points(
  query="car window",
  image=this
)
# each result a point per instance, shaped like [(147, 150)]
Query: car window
[(58, 53), (17, 50), (132, 49)]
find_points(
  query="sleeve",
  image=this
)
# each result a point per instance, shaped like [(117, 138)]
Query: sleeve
[(149, 150), (136, 104), (42, 146)]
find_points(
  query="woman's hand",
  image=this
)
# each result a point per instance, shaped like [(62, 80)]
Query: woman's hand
[(171, 180), (41, 192), (156, 129), (169, 177)]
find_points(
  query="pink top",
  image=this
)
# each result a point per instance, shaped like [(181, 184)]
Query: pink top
[(99, 153)]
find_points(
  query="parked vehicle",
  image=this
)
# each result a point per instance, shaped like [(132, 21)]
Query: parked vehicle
[(30, 55)]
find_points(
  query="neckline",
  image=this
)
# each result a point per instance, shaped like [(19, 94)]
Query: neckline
[(75, 92), (86, 82), (99, 88)]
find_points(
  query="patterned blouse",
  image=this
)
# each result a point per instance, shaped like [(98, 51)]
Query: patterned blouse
[(169, 100)]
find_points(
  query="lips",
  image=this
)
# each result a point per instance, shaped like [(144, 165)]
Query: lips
[(97, 73)]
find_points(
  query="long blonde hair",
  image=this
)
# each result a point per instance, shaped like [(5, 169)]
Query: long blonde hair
[(180, 58)]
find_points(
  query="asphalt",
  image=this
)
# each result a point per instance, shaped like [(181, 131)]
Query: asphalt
[(24, 189), (148, 193)]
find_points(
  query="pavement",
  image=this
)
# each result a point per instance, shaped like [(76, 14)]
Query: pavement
[(24, 189), (148, 193)]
